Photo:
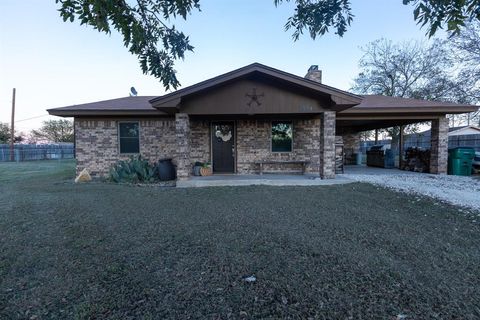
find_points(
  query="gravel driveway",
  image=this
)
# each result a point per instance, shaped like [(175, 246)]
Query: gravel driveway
[(462, 191)]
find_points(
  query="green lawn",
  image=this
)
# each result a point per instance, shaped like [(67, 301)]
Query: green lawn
[(354, 251)]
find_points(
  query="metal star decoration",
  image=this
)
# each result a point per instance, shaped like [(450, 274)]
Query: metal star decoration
[(254, 97)]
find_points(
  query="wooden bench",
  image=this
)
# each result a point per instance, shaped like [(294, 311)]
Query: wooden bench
[(300, 162)]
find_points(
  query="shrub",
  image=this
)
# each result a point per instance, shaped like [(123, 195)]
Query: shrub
[(134, 170)]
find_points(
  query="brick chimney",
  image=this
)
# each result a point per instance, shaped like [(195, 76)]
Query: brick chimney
[(314, 74)]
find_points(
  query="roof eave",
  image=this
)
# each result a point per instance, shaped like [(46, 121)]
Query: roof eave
[(77, 113), (432, 109)]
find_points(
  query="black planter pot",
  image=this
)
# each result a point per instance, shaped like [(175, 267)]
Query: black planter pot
[(196, 170), (166, 170)]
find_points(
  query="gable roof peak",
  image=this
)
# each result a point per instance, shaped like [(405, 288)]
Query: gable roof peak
[(340, 97)]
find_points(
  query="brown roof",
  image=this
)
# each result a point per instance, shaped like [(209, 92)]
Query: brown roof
[(123, 106), (379, 103), (351, 104)]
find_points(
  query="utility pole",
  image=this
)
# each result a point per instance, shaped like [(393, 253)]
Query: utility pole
[(12, 134)]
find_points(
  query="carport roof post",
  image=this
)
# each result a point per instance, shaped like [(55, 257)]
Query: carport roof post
[(439, 146)]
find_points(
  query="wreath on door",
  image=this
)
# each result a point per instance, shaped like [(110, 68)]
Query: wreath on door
[(223, 133)]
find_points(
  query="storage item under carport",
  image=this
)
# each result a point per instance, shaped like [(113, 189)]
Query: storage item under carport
[(460, 161), (380, 156), (358, 158), (476, 163), (166, 170), (416, 159)]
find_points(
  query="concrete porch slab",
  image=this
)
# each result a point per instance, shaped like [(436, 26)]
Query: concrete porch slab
[(231, 180), (363, 169)]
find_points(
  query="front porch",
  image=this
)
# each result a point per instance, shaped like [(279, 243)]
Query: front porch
[(249, 145)]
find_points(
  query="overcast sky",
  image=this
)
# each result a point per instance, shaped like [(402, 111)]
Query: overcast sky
[(55, 64)]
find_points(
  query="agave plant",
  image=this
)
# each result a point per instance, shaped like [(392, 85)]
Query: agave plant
[(134, 170)]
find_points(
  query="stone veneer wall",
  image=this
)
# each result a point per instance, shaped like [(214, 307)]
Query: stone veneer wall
[(97, 145), (254, 143), (327, 145), (439, 146), (182, 154)]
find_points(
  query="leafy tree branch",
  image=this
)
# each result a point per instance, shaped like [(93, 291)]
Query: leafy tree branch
[(148, 33)]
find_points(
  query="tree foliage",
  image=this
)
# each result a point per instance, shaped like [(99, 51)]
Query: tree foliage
[(148, 33), (318, 16), (436, 14), (5, 134), (55, 131), (144, 27)]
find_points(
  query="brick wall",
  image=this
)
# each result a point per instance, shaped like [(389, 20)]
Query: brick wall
[(199, 141), (97, 146), (254, 143)]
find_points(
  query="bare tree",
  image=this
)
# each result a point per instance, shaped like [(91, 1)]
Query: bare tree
[(466, 52), (410, 69)]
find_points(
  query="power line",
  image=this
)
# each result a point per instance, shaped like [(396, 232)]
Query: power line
[(44, 115)]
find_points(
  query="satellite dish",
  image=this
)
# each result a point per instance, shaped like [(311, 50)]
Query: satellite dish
[(133, 92)]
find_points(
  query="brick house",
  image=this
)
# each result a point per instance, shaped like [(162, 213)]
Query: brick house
[(240, 119)]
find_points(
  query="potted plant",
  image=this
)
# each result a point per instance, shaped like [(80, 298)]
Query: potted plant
[(206, 169)]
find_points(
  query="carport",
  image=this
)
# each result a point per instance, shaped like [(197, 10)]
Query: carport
[(380, 112)]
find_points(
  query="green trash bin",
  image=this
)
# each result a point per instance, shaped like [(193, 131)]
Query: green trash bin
[(460, 161)]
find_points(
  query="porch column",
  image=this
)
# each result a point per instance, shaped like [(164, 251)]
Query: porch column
[(400, 147), (439, 146), (182, 154), (327, 145)]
